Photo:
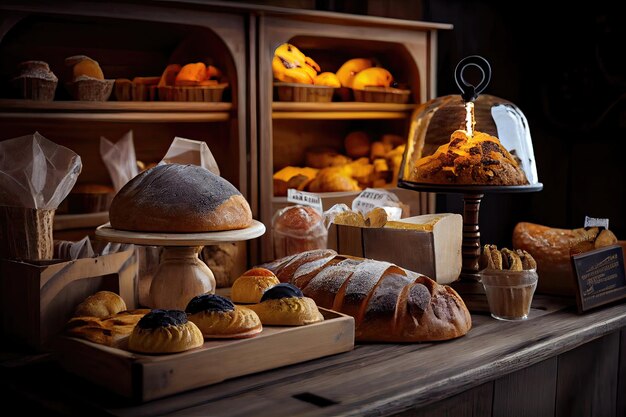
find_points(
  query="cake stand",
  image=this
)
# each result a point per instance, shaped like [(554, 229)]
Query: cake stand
[(181, 275), (468, 284), (472, 196)]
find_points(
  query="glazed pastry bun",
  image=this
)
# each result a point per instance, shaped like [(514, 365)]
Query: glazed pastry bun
[(102, 304), (217, 317), (284, 305), (165, 331), (249, 287)]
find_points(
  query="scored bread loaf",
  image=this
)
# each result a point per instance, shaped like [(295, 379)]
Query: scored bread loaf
[(388, 303)]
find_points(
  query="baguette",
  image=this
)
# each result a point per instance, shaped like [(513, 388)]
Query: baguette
[(388, 303)]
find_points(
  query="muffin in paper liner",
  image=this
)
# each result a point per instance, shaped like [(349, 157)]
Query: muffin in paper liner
[(35, 81), (86, 88), (127, 90), (123, 88)]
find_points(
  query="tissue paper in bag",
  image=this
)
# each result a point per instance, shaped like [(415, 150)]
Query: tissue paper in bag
[(35, 176), (194, 152), (119, 159)]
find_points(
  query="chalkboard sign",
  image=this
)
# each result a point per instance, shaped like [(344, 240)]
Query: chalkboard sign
[(600, 277)]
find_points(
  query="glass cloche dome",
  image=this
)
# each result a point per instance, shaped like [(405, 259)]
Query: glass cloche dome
[(467, 140)]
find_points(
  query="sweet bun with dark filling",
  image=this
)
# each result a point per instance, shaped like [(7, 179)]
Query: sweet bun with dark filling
[(249, 287), (165, 331), (285, 305), (217, 317)]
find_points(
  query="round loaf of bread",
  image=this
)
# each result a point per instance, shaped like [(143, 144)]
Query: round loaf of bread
[(180, 199), (298, 229), (101, 304)]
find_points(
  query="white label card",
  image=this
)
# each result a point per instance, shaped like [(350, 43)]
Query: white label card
[(593, 222), (304, 198), (371, 198)]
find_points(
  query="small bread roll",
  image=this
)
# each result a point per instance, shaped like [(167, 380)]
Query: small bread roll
[(357, 144), (285, 305), (217, 318), (249, 287), (102, 304), (165, 331)]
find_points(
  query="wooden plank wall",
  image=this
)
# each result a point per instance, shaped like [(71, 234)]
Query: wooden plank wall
[(587, 381)]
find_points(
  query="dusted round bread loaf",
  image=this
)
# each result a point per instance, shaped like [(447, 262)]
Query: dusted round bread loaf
[(218, 318), (250, 286), (102, 304), (165, 331), (179, 198)]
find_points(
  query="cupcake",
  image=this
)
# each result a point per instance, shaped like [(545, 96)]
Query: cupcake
[(35, 81), (88, 83)]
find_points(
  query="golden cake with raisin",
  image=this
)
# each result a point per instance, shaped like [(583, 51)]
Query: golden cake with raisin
[(477, 159)]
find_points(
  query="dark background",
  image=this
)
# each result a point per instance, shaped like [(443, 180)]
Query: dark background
[(565, 68)]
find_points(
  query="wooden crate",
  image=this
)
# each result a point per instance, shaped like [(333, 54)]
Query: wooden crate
[(146, 377), (436, 253), (37, 299)]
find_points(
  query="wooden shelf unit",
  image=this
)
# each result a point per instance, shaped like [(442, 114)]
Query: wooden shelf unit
[(340, 111), (244, 131), (129, 40), (286, 129)]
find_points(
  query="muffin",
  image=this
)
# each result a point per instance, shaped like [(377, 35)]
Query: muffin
[(88, 83), (35, 81)]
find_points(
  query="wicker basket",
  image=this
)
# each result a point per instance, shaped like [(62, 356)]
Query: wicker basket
[(304, 92), (212, 93), (382, 95)]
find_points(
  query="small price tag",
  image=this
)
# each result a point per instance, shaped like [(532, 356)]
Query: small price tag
[(304, 198), (371, 198), (593, 222), (600, 277)]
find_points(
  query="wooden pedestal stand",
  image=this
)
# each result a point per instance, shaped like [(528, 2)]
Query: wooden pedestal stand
[(181, 275), (468, 284)]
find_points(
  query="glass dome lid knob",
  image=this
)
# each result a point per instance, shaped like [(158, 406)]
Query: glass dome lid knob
[(469, 92)]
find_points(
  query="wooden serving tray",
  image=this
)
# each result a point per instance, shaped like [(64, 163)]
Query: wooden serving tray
[(147, 377)]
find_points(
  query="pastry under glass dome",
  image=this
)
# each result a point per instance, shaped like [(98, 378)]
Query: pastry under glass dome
[(472, 145), (434, 122)]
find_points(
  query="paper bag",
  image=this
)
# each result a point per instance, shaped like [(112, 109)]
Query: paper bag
[(35, 176)]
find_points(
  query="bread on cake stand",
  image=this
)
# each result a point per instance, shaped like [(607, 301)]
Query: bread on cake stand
[(182, 208), (181, 275), (471, 145)]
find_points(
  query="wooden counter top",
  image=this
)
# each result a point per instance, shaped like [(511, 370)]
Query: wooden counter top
[(374, 379)]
